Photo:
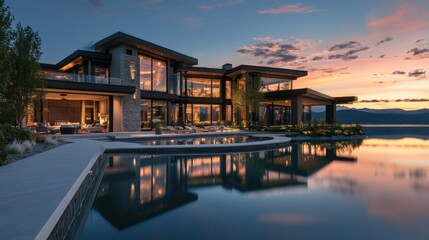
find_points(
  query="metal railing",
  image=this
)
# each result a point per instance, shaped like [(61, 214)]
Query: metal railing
[(81, 78)]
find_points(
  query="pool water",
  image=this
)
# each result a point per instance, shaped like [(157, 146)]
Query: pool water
[(368, 189), (228, 139)]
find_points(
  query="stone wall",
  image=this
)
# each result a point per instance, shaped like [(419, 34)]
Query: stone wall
[(130, 104)]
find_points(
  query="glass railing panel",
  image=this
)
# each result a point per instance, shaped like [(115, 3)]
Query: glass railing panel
[(81, 78)]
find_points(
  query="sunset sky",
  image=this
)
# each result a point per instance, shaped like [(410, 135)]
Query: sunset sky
[(377, 50)]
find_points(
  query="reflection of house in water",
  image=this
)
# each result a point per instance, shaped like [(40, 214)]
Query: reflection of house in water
[(136, 188)]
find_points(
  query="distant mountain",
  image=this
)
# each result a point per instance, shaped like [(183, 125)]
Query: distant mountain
[(385, 116)]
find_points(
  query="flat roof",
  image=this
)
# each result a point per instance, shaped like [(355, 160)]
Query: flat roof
[(123, 38), (267, 72)]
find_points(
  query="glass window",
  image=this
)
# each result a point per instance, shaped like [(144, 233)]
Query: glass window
[(216, 88), (174, 84), (160, 111), (228, 89), (189, 114), (145, 73), (216, 113), (159, 75), (228, 112), (101, 74), (145, 106), (201, 113), (199, 87)]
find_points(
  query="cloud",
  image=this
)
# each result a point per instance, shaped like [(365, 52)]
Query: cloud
[(273, 51), (317, 58), (219, 4), (419, 40), (385, 40), (350, 55), (406, 18), (351, 44), (418, 73), (290, 8), (328, 70), (398, 72), (382, 56), (417, 51), (395, 100)]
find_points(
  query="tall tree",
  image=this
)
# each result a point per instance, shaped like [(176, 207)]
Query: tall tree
[(25, 83), (248, 98), (253, 96), (20, 80), (5, 42)]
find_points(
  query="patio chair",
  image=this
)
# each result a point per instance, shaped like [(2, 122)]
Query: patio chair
[(198, 129), (225, 128), (41, 128)]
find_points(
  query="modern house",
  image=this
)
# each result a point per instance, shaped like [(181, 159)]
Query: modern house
[(125, 83)]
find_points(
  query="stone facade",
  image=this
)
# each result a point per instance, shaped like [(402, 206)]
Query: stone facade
[(131, 121)]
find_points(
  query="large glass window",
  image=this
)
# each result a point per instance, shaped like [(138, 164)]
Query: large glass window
[(201, 113), (151, 110), (145, 73), (153, 74), (159, 75), (216, 113), (203, 87), (228, 113), (159, 109), (145, 106), (228, 89), (199, 87), (101, 74), (275, 84), (216, 88)]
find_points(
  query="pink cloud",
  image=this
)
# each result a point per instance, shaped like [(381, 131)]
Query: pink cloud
[(290, 8), (406, 18)]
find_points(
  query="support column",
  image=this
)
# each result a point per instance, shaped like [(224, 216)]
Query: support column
[(331, 112), (296, 108)]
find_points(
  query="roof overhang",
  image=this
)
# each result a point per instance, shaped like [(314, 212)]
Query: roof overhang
[(76, 58), (204, 71), (267, 72), (123, 38)]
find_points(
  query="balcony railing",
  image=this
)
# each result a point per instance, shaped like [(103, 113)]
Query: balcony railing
[(81, 78)]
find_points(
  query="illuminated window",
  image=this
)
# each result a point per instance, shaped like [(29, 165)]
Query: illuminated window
[(153, 74)]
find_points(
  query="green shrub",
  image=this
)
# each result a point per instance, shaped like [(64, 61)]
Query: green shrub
[(11, 133)]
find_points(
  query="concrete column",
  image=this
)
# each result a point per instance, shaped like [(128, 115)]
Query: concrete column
[(331, 112), (296, 108)]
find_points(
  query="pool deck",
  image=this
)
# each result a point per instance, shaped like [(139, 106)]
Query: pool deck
[(35, 191)]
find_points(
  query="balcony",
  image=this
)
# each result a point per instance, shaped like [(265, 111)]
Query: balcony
[(81, 78)]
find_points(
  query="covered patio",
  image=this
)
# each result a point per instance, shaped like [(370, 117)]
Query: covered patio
[(297, 105)]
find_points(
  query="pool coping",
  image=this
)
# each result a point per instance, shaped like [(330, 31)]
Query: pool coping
[(57, 174)]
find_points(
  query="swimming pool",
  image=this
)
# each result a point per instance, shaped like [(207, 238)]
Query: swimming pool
[(371, 188), (203, 140)]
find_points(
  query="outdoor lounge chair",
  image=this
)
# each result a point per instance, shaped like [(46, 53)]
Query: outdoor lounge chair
[(198, 129), (42, 128), (224, 128)]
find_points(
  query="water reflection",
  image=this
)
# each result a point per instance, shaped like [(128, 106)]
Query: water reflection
[(135, 188)]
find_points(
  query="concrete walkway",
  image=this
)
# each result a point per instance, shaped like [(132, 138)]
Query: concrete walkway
[(35, 191)]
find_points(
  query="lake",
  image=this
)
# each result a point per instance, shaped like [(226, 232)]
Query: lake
[(376, 188)]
